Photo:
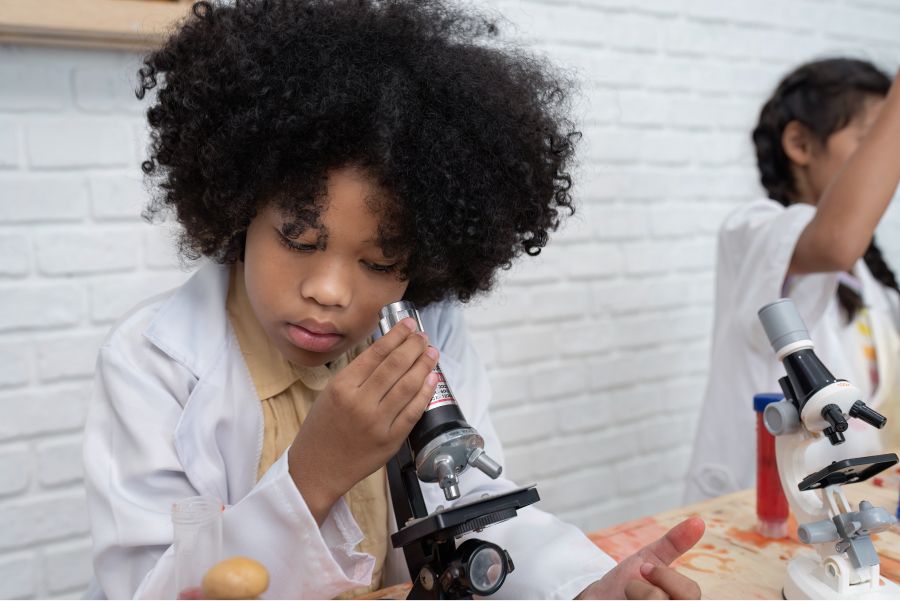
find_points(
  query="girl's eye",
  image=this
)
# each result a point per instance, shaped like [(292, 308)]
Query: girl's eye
[(379, 267), (295, 246)]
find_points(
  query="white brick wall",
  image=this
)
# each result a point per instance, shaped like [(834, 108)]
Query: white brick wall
[(597, 349)]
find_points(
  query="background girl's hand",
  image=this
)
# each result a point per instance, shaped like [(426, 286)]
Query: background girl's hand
[(360, 419), (647, 575)]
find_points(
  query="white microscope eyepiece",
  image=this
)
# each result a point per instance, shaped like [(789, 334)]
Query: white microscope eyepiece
[(784, 327)]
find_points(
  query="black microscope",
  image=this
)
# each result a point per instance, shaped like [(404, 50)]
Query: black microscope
[(440, 447)]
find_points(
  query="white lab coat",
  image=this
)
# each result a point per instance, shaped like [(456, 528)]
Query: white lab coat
[(174, 414), (755, 246)]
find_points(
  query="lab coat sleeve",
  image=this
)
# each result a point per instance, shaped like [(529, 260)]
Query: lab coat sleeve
[(757, 245), (553, 559), (133, 475)]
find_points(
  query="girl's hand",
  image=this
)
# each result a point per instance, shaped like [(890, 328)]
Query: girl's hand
[(647, 575), (361, 418)]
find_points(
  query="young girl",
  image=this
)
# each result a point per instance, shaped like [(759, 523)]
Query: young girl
[(827, 146), (330, 157)]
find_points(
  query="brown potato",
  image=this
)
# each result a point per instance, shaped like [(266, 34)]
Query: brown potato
[(235, 578)]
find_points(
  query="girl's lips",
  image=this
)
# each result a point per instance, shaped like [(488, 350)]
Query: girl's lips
[(312, 341)]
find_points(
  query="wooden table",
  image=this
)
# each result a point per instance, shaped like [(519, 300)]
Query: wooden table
[(732, 561)]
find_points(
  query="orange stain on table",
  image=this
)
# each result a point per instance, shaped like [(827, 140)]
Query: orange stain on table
[(792, 528), (754, 539), (890, 568), (707, 563), (622, 541), (627, 526)]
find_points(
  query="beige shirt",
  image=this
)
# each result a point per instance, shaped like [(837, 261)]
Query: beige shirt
[(287, 393)]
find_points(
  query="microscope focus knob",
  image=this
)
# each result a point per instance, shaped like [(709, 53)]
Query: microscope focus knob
[(781, 418), (834, 437), (862, 411), (478, 458), (834, 416)]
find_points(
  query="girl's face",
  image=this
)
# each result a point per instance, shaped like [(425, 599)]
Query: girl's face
[(826, 160), (317, 290)]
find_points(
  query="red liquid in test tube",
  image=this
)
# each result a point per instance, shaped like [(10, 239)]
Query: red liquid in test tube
[(772, 508)]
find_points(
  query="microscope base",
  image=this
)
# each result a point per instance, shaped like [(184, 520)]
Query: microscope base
[(807, 579)]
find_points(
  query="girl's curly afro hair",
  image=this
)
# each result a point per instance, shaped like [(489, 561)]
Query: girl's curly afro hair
[(258, 100)]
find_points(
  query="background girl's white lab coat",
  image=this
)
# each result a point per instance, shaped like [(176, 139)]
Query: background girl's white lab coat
[(174, 414), (755, 247)]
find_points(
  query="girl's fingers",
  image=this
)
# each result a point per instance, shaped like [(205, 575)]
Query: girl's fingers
[(410, 414), (409, 385), (676, 541), (638, 589), (675, 585), (368, 361), (394, 367)]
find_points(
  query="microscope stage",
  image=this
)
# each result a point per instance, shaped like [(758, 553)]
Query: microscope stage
[(849, 471)]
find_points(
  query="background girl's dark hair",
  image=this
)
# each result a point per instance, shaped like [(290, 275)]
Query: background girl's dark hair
[(256, 101), (824, 96)]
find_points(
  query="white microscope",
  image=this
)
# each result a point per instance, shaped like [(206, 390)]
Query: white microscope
[(814, 411)]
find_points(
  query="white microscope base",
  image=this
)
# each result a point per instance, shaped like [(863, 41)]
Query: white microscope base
[(806, 579)]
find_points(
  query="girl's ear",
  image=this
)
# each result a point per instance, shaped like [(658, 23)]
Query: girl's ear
[(797, 142)]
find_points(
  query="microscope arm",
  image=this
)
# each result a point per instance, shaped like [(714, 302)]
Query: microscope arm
[(790, 451)]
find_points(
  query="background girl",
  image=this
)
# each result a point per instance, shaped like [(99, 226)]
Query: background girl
[(827, 147)]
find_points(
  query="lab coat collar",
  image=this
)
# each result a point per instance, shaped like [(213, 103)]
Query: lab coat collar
[(176, 329), (191, 327)]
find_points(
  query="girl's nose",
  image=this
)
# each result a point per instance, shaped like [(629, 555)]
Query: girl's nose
[(329, 284)]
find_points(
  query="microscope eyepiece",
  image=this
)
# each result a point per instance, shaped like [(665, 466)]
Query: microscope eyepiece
[(793, 347), (390, 315), (783, 324)]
